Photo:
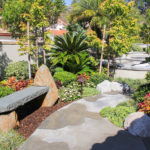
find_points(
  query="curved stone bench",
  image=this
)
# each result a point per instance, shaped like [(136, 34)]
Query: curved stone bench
[(9, 104)]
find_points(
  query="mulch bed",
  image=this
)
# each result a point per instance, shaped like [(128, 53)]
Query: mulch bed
[(29, 124)]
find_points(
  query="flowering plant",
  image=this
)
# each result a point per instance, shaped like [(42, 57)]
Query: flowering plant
[(145, 106)]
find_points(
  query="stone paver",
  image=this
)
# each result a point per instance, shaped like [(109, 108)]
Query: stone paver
[(79, 126)]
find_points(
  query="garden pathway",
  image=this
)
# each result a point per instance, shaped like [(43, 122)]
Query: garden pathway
[(78, 126)]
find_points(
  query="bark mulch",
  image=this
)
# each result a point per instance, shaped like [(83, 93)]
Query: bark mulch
[(29, 123)]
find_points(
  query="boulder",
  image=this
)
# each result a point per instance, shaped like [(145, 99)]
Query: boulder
[(8, 121), (138, 124), (107, 86), (43, 77)]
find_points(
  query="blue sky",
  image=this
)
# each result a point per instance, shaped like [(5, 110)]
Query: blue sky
[(68, 2)]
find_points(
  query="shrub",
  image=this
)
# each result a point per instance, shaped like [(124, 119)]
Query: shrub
[(69, 94), (10, 140), (129, 103), (88, 91), (65, 77), (140, 93), (19, 70), (90, 84), (98, 78), (132, 83), (118, 114), (5, 90), (59, 69), (147, 76)]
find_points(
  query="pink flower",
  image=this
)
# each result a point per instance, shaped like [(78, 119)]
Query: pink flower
[(140, 104)]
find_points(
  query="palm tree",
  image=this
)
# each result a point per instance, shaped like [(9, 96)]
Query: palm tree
[(69, 52)]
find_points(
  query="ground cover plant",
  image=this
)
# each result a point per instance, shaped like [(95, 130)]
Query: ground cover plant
[(11, 140), (117, 114), (5, 90), (134, 84)]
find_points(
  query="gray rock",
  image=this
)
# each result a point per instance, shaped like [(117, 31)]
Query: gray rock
[(138, 124), (107, 86), (11, 102)]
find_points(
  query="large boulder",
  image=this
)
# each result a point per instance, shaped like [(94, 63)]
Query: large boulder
[(43, 77), (8, 121), (138, 124), (107, 86)]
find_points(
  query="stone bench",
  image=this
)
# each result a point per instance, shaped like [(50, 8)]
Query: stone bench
[(9, 104), (43, 85)]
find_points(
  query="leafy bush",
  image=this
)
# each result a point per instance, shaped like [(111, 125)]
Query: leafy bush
[(59, 69), (65, 77), (98, 78), (90, 84), (69, 94), (132, 83), (129, 103), (118, 114), (140, 93), (147, 59), (19, 70), (5, 90), (10, 140), (147, 76)]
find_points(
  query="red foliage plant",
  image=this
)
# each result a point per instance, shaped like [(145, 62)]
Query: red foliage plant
[(82, 78), (58, 84), (18, 85), (145, 106)]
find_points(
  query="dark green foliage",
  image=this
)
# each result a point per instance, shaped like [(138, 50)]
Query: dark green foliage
[(70, 53), (65, 77), (147, 59), (98, 78), (141, 92), (4, 91), (148, 76), (118, 114), (19, 70)]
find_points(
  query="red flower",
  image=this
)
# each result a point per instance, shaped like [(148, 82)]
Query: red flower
[(147, 96)]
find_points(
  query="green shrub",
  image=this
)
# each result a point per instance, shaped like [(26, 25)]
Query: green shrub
[(129, 103), (59, 69), (98, 78), (147, 76), (19, 70), (147, 59), (10, 140), (4, 91), (141, 92), (132, 83), (65, 77), (117, 115)]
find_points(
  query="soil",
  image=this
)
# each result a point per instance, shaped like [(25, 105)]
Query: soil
[(29, 123)]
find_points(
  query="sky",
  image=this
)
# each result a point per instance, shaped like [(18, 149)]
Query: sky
[(68, 2)]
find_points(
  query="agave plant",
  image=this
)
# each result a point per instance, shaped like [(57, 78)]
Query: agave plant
[(70, 52)]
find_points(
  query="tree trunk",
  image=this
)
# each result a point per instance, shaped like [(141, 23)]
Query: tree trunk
[(29, 57), (114, 63), (102, 53), (108, 65), (44, 55), (37, 50)]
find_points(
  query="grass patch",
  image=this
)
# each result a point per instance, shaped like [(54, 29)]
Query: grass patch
[(10, 140), (87, 91)]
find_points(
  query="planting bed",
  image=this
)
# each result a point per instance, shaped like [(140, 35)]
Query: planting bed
[(31, 122)]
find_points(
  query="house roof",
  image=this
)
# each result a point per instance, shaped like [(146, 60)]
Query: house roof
[(58, 32)]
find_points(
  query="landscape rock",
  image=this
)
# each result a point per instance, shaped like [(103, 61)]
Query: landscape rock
[(44, 78), (138, 124), (107, 86), (8, 121)]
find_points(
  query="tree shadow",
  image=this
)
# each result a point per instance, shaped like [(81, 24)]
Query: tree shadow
[(4, 61), (123, 140)]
